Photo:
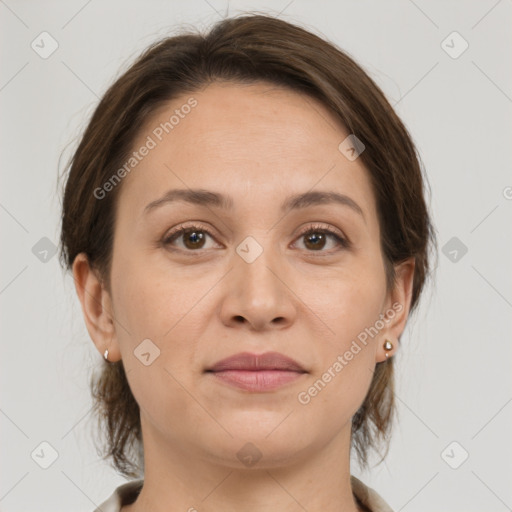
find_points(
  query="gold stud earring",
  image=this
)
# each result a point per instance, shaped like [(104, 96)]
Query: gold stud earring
[(387, 347)]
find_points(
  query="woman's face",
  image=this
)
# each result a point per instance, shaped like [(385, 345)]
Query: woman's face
[(247, 278)]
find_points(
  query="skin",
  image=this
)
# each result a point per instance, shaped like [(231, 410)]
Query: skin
[(257, 144)]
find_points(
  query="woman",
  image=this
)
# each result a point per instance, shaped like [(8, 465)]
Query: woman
[(245, 222)]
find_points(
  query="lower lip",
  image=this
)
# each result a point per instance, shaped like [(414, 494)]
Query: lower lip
[(261, 380)]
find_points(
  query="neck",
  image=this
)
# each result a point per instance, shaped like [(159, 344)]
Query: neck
[(177, 480)]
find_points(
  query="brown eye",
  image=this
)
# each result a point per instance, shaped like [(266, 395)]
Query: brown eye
[(317, 238), (191, 237)]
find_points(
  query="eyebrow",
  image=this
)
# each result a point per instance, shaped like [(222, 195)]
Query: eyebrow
[(203, 197)]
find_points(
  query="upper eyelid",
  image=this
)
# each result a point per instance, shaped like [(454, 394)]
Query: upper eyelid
[(312, 225)]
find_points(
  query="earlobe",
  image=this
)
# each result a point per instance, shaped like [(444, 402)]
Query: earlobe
[(96, 307), (396, 310)]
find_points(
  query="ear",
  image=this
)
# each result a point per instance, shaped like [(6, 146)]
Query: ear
[(396, 309), (96, 307)]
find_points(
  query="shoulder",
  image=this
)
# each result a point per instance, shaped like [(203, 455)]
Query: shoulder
[(368, 496), (128, 492), (123, 495)]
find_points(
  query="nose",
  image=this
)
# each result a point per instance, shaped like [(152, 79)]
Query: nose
[(256, 294)]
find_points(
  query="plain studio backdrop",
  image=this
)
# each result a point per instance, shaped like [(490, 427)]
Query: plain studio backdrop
[(445, 66)]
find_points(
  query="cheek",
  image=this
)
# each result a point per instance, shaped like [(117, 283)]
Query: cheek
[(346, 359), (147, 302), (163, 312), (352, 301), (172, 312), (350, 306)]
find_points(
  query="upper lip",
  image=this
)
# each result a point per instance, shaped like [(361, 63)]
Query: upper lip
[(255, 362)]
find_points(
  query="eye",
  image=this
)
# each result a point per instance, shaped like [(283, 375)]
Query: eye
[(316, 238), (192, 237)]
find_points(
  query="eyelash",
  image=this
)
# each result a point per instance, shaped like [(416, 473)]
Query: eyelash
[(343, 242)]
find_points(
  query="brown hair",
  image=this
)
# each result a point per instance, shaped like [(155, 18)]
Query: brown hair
[(244, 49)]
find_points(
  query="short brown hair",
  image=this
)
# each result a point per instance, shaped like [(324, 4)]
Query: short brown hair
[(245, 49)]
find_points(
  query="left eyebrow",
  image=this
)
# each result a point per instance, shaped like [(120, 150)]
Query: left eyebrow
[(320, 197)]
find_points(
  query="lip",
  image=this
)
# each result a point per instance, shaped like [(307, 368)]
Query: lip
[(257, 372), (256, 362)]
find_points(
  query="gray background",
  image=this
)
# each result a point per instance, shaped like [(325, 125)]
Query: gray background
[(454, 367)]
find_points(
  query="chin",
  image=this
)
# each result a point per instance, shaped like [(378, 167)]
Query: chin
[(259, 446), (260, 454)]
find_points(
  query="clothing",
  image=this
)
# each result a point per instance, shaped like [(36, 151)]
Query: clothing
[(128, 492)]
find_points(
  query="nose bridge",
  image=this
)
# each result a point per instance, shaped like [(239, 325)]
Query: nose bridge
[(257, 292), (255, 257)]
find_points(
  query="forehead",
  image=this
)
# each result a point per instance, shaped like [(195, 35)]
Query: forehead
[(246, 141)]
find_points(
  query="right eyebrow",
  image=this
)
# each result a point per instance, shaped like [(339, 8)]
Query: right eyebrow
[(194, 196)]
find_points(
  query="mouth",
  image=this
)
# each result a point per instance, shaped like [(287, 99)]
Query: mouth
[(257, 373)]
